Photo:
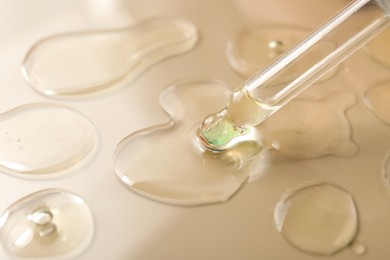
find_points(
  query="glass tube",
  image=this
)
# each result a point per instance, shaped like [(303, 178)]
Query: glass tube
[(272, 88), (349, 30)]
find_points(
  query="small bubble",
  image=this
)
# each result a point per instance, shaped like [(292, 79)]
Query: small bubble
[(41, 217), (358, 248), (50, 224), (276, 46), (253, 49), (182, 172)]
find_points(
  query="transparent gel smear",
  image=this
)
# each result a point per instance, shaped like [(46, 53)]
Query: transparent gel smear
[(42, 140), (319, 218), (168, 163), (49, 224), (377, 99), (253, 49), (81, 63), (378, 48), (306, 129)]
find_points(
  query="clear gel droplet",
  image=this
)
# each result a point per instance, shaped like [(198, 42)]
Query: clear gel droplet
[(167, 162), (377, 99), (87, 62), (358, 248), (49, 224), (378, 48), (252, 50), (41, 140), (306, 129), (319, 218)]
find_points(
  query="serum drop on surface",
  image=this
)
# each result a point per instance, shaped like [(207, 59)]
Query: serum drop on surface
[(168, 163), (253, 49), (42, 140), (319, 218), (77, 64), (49, 224)]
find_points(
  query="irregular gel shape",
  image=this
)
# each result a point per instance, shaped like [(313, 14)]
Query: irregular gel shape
[(82, 63), (167, 162), (49, 224), (377, 98), (254, 49), (42, 140), (378, 48), (306, 129), (319, 218)]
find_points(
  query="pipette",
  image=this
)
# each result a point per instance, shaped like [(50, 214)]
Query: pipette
[(269, 90)]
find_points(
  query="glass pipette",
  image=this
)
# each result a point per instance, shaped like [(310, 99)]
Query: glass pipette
[(272, 88)]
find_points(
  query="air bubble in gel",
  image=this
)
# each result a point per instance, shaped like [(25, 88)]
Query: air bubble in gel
[(253, 49), (49, 224), (167, 162)]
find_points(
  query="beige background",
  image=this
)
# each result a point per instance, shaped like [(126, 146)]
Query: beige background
[(132, 227)]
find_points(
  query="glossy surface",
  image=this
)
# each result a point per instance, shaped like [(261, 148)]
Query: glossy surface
[(49, 224), (307, 129), (235, 123), (105, 59), (43, 140), (168, 163), (319, 218), (129, 226), (253, 49)]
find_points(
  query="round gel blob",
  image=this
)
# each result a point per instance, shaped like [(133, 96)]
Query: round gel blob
[(319, 218), (42, 140), (49, 224)]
